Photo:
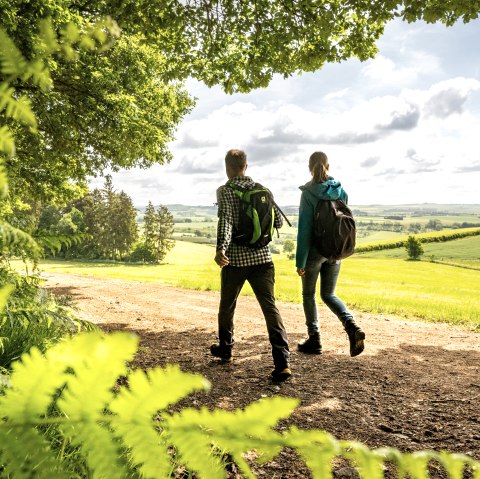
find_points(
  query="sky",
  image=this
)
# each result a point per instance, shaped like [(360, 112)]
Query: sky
[(402, 128)]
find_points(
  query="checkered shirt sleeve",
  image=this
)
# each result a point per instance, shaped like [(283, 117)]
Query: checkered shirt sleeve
[(228, 216)]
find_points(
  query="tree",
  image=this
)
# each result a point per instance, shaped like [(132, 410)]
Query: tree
[(120, 109), (414, 248), (435, 225), (158, 230), (288, 246)]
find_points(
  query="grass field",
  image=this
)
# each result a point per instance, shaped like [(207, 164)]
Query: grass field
[(412, 289)]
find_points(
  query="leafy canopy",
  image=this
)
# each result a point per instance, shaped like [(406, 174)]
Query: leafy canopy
[(120, 108)]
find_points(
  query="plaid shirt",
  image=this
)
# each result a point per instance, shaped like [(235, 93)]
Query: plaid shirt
[(228, 216)]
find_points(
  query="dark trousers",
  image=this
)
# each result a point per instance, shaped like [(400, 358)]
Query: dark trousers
[(262, 280)]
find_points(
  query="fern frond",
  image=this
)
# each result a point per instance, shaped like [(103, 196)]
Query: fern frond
[(98, 446), (11, 237), (413, 466), (135, 407), (12, 61), (5, 292), (236, 432), (24, 453), (368, 463), (7, 146), (19, 109), (47, 42), (54, 242), (34, 380), (454, 464), (317, 448)]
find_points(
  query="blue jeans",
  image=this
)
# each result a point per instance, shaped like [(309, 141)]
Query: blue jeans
[(318, 265)]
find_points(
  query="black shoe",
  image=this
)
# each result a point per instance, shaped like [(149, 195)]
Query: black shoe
[(311, 345), (225, 354), (280, 375), (356, 337)]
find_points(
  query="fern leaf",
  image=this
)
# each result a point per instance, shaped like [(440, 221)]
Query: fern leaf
[(7, 146), (47, 38), (102, 359), (368, 463), (12, 61), (193, 443), (136, 406), (5, 292), (317, 448), (24, 453), (39, 73), (19, 109), (11, 237), (235, 432), (413, 466), (98, 446), (34, 381), (454, 464)]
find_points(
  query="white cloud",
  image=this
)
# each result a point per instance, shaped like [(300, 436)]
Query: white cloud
[(402, 128)]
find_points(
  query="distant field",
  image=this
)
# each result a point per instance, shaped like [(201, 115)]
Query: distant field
[(413, 289), (460, 249)]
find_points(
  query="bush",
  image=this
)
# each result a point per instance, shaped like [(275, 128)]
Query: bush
[(32, 317), (142, 254)]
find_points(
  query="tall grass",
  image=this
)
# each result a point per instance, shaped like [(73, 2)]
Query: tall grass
[(412, 289)]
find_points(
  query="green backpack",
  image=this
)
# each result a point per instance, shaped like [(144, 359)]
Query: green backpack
[(257, 216)]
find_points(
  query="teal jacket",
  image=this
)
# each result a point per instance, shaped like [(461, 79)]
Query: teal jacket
[(311, 193)]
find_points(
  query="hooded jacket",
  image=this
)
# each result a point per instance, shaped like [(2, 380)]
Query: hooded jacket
[(311, 193)]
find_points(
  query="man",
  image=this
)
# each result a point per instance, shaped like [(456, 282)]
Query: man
[(241, 263)]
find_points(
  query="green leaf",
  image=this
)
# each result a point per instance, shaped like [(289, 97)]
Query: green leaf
[(12, 62), (136, 406), (28, 455), (317, 448), (7, 146)]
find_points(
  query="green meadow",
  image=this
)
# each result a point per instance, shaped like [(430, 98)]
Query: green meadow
[(378, 282)]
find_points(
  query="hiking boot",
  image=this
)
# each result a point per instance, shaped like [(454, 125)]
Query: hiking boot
[(280, 375), (356, 337), (311, 345), (225, 354)]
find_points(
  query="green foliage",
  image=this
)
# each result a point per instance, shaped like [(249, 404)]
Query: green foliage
[(32, 317), (119, 429), (414, 247), (158, 231), (288, 246), (436, 237)]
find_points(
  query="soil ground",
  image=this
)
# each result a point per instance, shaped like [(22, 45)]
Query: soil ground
[(416, 386)]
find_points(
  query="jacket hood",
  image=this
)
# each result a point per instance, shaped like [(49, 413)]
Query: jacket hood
[(327, 190)]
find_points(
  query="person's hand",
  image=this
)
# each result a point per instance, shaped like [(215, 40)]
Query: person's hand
[(221, 259), (300, 271)]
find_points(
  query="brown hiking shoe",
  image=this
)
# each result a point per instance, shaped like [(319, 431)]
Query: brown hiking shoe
[(356, 338), (311, 345)]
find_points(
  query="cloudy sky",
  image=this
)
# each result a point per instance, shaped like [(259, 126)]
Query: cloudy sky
[(402, 128)]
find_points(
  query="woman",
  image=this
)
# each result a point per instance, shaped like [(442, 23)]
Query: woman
[(310, 263)]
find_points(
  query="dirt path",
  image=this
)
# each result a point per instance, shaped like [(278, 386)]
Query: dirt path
[(416, 386)]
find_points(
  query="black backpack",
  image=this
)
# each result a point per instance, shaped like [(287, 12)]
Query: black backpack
[(334, 231), (257, 216)]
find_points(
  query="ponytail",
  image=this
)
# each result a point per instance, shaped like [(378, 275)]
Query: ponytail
[(318, 165)]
